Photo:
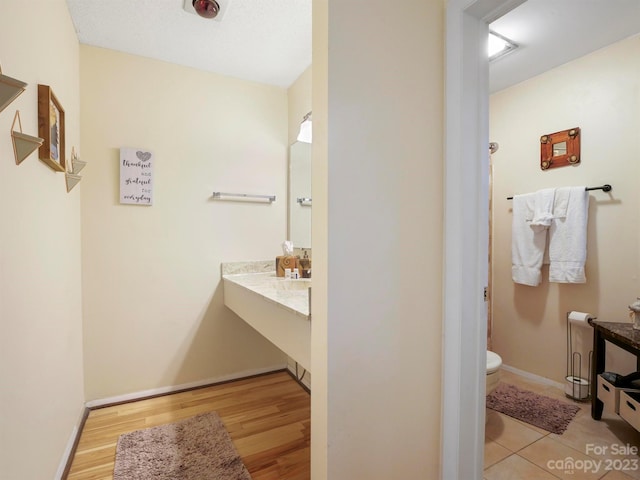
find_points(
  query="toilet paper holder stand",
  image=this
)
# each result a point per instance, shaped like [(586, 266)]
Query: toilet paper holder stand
[(577, 387)]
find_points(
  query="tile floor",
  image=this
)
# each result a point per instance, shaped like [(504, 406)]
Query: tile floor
[(515, 450)]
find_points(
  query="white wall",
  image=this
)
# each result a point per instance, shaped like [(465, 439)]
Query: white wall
[(153, 299), (377, 234), (41, 397), (600, 93)]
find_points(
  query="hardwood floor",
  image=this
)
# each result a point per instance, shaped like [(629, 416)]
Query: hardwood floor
[(267, 417)]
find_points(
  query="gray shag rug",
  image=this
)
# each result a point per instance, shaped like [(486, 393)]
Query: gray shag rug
[(197, 448), (547, 413)]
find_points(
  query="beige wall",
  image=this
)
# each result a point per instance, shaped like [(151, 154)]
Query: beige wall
[(41, 397), (377, 235), (599, 93), (153, 299), (319, 239)]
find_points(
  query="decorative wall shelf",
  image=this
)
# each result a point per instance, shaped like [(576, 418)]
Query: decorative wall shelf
[(23, 144), (76, 163), (10, 89), (71, 180)]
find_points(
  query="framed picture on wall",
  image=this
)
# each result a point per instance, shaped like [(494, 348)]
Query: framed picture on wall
[(51, 129)]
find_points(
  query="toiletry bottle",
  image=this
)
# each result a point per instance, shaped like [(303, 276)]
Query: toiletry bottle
[(295, 274), (305, 265)]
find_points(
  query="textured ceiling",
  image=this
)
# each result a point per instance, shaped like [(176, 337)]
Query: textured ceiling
[(269, 41)]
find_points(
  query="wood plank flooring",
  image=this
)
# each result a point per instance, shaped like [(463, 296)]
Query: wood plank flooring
[(267, 417)]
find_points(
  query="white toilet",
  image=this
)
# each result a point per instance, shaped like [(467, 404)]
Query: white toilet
[(493, 370)]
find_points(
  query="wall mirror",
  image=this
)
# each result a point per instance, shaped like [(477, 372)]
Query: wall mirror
[(560, 149), (300, 200)]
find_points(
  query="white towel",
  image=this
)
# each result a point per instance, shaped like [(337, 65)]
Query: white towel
[(561, 202), (527, 244), (568, 236), (543, 210)]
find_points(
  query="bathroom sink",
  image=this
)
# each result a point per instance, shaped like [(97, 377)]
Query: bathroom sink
[(276, 307)]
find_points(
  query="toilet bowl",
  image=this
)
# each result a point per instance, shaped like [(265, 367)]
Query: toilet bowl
[(493, 370)]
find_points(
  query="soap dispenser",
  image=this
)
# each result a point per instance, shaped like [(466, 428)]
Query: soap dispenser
[(305, 265)]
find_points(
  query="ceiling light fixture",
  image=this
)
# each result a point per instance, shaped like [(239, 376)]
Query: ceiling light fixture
[(499, 46), (206, 8), (305, 129)]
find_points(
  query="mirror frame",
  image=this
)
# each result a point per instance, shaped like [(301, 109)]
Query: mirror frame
[(572, 157)]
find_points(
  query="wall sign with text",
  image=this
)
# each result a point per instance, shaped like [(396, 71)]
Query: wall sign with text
[(136, 176)]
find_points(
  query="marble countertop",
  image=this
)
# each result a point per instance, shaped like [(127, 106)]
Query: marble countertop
[(288, 293), (622, 331)]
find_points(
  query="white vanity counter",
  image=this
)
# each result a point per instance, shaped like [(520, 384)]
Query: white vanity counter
[(292, 295), (276, 307)]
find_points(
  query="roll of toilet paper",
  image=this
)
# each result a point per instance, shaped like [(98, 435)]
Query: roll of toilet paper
[(580, 318), (577, 387)]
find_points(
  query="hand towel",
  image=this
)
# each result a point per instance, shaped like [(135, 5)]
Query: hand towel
[(543, 209), (527, 244), (561, 202), (568, 238)]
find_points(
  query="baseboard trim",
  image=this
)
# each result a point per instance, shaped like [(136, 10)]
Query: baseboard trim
[(533, 377), (72, 446), (156, 392)]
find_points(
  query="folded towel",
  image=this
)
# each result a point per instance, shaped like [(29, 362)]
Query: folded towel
[(568, 238), (543, 209), (527, 244)]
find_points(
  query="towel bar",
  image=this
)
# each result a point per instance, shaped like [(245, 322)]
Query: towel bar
[(605, 188), (220, 195)]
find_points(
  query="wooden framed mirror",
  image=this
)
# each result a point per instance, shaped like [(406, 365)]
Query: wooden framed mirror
[(560, 149)]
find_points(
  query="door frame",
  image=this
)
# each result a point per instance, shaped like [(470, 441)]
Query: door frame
[(466, 234)]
